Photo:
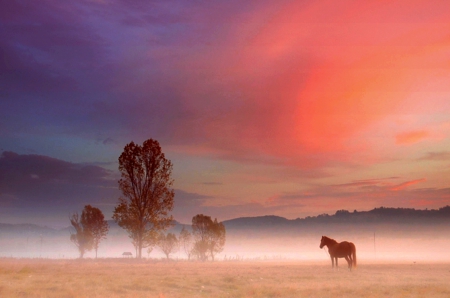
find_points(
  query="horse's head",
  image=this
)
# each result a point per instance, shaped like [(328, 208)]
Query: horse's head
[(322, 242)]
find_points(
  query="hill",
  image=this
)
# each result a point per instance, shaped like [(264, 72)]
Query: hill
[(380, 215)]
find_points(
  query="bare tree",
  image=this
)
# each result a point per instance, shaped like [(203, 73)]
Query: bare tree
[(168, 243), (209, 236), (185, 240), (147, 194), (82, 237), (93, 220)]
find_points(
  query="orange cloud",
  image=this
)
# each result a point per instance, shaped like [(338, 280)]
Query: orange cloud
[(406, 184), (411, 137)]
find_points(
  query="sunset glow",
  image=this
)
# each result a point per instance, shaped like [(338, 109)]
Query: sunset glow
[(292, 108)]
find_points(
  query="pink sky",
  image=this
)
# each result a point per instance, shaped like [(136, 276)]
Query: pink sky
[(313, 95), (293, 108)]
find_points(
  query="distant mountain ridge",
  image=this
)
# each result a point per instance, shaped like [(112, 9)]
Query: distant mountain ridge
[(376, 215)]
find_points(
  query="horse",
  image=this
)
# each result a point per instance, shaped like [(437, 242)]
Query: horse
[(337, 250)]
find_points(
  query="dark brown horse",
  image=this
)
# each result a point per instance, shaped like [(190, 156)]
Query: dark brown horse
[(337, 250)]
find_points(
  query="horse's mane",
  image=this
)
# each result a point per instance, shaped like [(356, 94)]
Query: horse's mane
[(330, 239)]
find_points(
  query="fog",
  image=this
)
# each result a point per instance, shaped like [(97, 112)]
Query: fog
[(373, 242)]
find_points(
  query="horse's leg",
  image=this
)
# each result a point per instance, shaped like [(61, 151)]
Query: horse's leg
[(332, 262), (349, 262), (336, 262)]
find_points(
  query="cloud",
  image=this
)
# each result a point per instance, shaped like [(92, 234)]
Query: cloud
[(436, 156), (108, 141), (283, 89), (48, 42), (254, 82), (187, 205), (382, 185), (46, 185), (406, 184), (359, 195), (411, 137), (366, 182), (286, 91), (48, 53)]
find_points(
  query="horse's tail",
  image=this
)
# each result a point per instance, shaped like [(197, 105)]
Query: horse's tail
[(354, 254)]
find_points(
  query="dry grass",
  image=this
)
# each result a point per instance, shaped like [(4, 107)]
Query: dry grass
[(130, 278)]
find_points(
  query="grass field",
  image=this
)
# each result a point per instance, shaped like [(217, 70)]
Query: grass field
[(131, 278)]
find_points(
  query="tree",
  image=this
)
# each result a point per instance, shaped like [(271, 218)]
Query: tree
[(217, 241), (82, 237), (149, 251), (168, 243), (147, 194), (200, 249), (200, 229), (90, 229), (185, 241), (209, 236), (93, 220)]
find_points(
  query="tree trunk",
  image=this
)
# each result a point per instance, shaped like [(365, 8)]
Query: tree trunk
[(140, 249), (139, 244)]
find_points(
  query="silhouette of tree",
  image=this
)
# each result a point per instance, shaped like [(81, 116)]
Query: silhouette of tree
[(83, 237), (200, 249), (444, 210), (217, 241), (209, 236), (342, 212), (149, 251), (147, 195), (200, 229), (168, 243), (185, 240), (94, 221)]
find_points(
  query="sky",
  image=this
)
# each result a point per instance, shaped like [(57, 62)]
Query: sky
[(288, 108)]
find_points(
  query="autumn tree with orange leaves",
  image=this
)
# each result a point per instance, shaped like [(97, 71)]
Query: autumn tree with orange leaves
[(146, 185)]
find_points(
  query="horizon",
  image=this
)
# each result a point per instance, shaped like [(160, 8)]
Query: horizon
[(264, 107), (395, 241), (231, 219)]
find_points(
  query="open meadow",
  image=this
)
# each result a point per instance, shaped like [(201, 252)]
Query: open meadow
[(132, 278)]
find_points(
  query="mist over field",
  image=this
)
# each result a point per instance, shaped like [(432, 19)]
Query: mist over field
[(400, 253), (380, 234), (388, 242)]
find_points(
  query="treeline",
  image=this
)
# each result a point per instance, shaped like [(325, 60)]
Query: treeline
[(144, 211), (383, 214)]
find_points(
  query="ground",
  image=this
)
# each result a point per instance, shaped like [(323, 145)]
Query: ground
[(132, 278)]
